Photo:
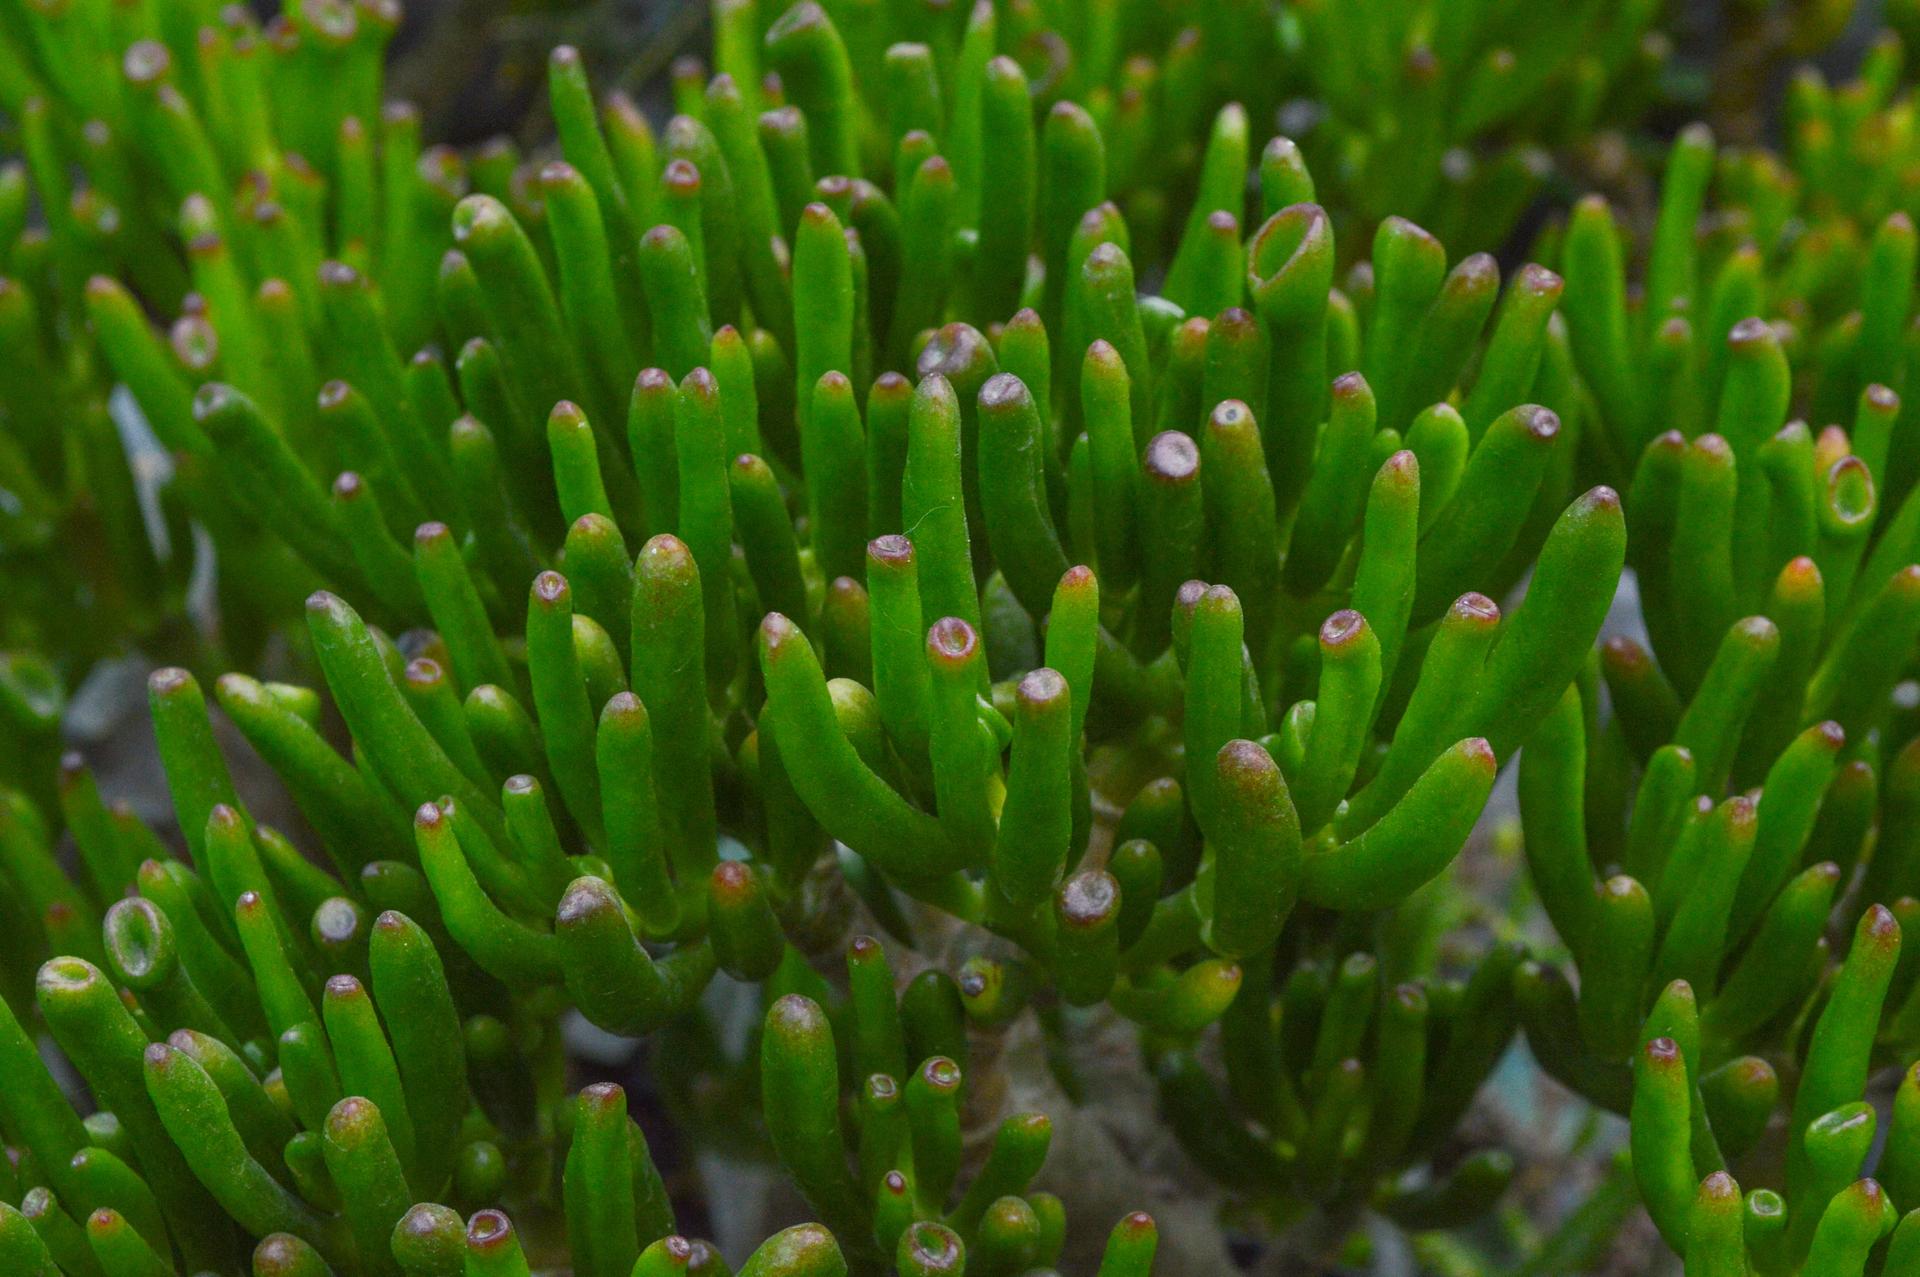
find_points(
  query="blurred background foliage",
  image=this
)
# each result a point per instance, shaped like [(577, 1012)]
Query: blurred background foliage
[(477, 68)]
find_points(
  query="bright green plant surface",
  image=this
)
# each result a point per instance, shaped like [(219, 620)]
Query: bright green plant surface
[(1743, 802), (950, 534)]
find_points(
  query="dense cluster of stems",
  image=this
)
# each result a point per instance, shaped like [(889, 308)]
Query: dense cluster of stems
[(1037, 523)]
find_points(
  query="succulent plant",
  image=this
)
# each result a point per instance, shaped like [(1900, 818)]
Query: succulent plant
[(889, 548), (1718, 803)]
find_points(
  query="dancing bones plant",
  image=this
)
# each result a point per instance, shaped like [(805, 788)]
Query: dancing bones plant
[(1119, 651), (211, 164), (1708, 812)]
